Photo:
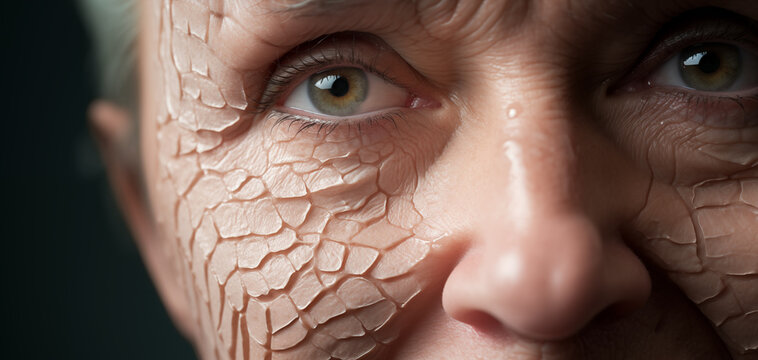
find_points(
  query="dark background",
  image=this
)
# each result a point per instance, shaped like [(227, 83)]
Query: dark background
[(75, 287)]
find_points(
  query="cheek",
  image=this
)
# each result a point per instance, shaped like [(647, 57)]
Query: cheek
[(706, 238), (290, 245)]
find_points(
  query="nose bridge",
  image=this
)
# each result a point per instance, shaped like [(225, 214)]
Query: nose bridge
[(538, 218), (533, 166)]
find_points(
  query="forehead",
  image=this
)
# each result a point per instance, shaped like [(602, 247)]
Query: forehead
[(288, 22), (439, 18)]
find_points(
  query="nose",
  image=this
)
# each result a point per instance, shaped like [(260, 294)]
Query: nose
[(546, 254)]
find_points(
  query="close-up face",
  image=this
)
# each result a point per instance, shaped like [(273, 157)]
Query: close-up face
[(514, 179)]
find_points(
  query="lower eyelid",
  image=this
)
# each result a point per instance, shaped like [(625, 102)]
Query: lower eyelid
[(667, 116), (347, 120), (726, 112), (308, 124), (679, 148)]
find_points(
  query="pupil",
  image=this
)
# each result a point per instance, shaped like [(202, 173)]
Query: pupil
[(339, 87), (709, 63), (710, 67), (338, 92)]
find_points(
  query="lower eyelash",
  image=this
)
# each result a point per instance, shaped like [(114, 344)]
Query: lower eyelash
[(326, 127)]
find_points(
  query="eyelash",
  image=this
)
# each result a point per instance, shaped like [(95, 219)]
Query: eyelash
[(727, 27), (305, 123), (719, 26), (724, 26), (281, 81)]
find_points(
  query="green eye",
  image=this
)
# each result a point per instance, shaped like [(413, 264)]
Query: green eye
[(338, 92), (710, 67), (344, 92), (714, 67)]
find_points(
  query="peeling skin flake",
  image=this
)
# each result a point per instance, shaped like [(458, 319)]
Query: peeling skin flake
[(330, 256), (357, 293), (300, 246), (257, 217), (305, 290)]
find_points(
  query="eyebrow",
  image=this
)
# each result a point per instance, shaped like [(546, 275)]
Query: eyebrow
[(593, 15), (313, 7)]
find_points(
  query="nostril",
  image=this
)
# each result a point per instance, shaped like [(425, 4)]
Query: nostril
[(546, 283), (481, 321)]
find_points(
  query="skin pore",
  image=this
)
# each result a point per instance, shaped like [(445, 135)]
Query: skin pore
[(540, 192)]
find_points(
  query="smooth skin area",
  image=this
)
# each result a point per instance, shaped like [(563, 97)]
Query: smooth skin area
[(542, 194)]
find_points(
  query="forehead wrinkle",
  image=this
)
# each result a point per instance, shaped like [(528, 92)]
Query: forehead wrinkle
[(653, 12), (286, 23), (624, 25), (313, 7)]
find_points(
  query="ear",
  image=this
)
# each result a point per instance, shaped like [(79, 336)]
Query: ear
[(116, 136)]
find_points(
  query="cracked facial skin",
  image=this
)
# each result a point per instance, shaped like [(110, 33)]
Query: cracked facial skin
[(541, 194)]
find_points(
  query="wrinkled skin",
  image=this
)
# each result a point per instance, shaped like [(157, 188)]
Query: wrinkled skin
[(520, 215)]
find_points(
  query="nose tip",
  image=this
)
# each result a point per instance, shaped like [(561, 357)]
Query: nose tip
[(545, 282)]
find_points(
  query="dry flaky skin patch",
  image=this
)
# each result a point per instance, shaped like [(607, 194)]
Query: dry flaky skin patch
[(308, 247), (290, 247), (706, 237)]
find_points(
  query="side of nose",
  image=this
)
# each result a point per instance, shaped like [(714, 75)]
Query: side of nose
[(546, 255)]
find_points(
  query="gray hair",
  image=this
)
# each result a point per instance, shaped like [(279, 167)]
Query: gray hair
[(112, 26)]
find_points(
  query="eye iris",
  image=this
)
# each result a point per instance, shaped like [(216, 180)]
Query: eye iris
[(338, 92), (707, 62), (710, 67), (337, 85)]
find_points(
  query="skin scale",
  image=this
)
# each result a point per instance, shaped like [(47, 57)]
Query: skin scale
[(313, 245), (292, 249)]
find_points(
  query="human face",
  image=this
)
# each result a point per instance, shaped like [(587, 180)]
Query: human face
[(444, 179)]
